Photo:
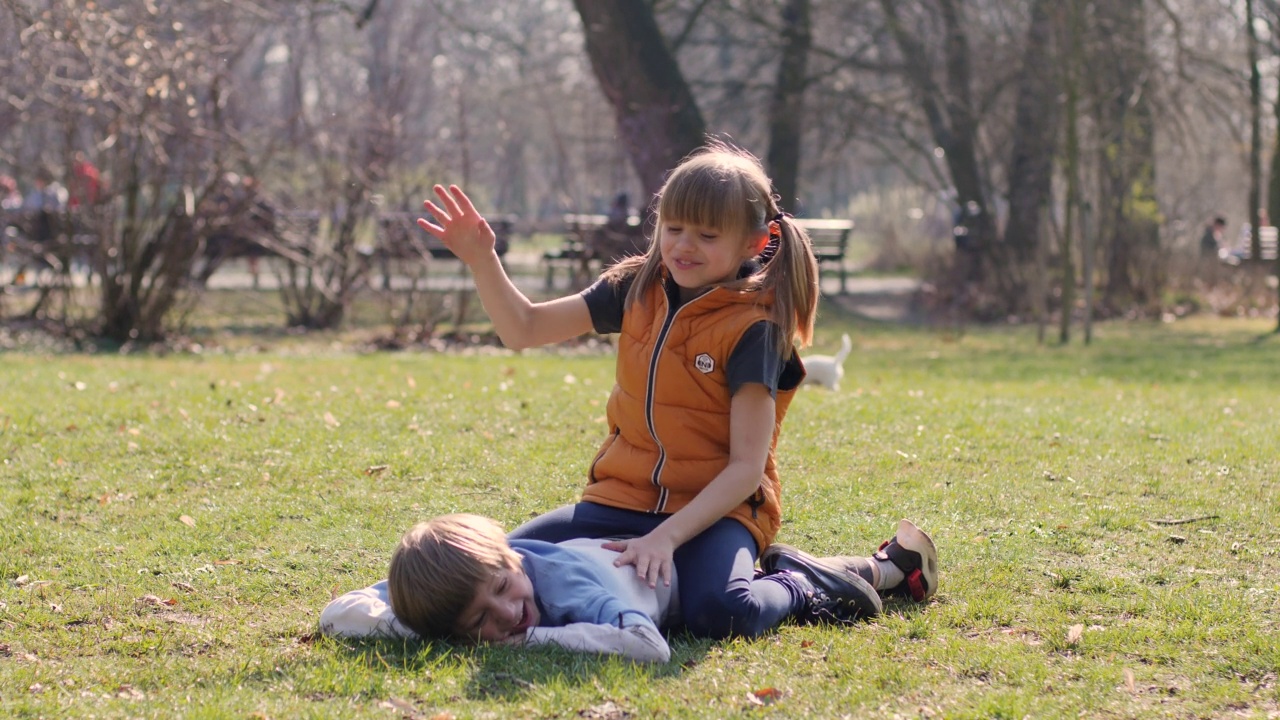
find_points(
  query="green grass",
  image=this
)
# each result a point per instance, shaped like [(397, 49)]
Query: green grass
[(1038, 470)]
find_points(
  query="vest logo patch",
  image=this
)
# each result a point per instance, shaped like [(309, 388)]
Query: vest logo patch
[(704, 363)]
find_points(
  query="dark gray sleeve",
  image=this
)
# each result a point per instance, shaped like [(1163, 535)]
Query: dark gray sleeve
[(756, 360), (605, 301)]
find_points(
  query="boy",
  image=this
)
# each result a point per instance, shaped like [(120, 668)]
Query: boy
[(458, 577)]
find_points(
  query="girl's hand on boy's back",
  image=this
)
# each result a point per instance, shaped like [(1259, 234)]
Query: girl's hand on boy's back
[(652, 554), (461, 228)]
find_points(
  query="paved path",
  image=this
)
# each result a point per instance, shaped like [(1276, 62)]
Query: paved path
[(887, 299)]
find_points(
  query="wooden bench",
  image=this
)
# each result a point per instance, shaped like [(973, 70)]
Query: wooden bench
[(1267, 238), (830, 241), (588, 239), (400, 238), (43, 246), (583, 245)]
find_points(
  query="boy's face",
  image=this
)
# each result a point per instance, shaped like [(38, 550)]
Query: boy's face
[(502, 609)]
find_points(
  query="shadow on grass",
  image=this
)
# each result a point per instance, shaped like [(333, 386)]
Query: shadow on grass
[(509, 673), (494, 672)]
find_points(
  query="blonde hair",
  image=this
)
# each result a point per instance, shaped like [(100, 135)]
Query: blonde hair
[(438, 567), (725, 187)]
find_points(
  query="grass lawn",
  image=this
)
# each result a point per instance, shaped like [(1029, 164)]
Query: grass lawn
[(1108, 520)]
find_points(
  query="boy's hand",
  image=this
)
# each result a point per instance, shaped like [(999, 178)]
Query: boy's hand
[(461, 228), (652, 555)]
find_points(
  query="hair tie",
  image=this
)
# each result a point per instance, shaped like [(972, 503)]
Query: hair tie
[(779, 216)]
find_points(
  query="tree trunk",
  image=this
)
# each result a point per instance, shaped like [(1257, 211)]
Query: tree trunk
[(1072, 62), (951, 118), (1035, 134), (1255, 135), (1128, 215), (786, 111), (657, 116)]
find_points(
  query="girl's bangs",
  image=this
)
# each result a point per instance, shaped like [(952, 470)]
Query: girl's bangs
[(703, 196)]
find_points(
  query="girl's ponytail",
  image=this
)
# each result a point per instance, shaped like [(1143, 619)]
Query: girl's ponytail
[(791, 276)]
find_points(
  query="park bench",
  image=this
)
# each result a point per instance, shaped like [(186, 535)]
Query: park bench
[(830, 241), (588, 240), (400, 238), (35, 241), (1267, 238)]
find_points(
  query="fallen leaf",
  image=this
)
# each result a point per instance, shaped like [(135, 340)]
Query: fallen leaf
[(806, 643), (764, 696), (185, 587), (570, 379), (609, 710), (36, 689), (187, 520), (1128, 681), (135, 431), (331, 421), (393, 404), (1074, 634), (21, 580), (405, 707), (375, 469), (226, 562)]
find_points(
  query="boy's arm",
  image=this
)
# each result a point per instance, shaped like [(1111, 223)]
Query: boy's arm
[(586, 610), (519, 322), (639, 641), (363, 613)]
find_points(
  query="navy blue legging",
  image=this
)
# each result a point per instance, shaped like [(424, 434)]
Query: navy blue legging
[(719, 594)]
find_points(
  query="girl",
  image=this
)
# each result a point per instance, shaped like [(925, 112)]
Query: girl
[(709, 320)]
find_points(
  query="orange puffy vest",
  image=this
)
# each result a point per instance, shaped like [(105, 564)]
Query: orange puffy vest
[(669, 410)]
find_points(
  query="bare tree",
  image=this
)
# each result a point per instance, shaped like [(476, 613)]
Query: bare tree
[(787, 111), (1035, 141), (947, 104), (1128, 213), (143, 88), (656, 113)]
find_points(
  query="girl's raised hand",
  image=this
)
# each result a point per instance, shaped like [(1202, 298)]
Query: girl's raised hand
[(460, 228)]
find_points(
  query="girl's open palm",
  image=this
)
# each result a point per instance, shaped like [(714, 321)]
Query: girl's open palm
[(652, 555), (460, 228)]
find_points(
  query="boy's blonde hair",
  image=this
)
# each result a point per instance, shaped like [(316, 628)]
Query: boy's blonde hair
[(725, 187), (439, 565)]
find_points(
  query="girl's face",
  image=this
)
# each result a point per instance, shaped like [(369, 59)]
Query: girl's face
[(699, 255)]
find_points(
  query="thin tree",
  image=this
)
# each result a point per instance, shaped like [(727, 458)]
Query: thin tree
[(786, 109)]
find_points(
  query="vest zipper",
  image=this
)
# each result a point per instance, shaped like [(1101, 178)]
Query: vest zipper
[(656, 476)]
